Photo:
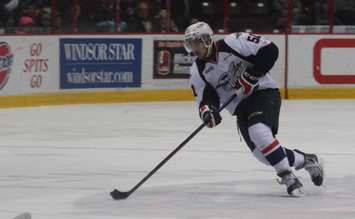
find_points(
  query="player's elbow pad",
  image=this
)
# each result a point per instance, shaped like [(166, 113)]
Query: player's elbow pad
[(264, 60)]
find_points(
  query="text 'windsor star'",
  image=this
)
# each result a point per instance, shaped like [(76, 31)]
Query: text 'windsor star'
[(99, 51)]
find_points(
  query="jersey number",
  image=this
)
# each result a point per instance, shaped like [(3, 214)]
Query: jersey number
[(253, 38)]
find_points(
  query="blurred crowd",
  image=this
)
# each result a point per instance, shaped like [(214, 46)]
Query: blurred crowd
[(161, 16), (25, 16)]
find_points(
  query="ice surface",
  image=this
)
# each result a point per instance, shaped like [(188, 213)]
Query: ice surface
[(62, 162)]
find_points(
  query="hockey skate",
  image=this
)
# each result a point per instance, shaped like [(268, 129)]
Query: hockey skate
[(314, 166), (293, 184)]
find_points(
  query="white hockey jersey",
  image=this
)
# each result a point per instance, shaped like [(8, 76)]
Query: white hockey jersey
[(210, 79)]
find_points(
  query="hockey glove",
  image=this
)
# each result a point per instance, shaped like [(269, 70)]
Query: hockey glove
[(210, 116), (247, 85)]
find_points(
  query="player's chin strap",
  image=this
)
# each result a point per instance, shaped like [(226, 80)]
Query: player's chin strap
[(209, 49)]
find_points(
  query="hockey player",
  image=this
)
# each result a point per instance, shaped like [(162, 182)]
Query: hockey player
[(240, 63)]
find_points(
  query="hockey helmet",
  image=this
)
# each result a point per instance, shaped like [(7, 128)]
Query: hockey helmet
[(198, 32)]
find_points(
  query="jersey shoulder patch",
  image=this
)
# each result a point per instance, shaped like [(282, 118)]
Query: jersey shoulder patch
[(235, 41), (246, 44), (224, 47)]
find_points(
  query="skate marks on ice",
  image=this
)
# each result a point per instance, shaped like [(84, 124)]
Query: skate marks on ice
[(247, 199)]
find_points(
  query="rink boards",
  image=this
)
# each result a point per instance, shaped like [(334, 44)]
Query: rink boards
[(68, 69)]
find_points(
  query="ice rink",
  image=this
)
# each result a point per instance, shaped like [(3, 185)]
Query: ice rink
[(61, 162)]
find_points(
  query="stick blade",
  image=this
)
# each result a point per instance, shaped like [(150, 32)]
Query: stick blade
[(117, 195)]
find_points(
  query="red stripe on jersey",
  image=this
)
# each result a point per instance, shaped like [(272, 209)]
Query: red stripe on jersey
[(247, 87), (270, 147)]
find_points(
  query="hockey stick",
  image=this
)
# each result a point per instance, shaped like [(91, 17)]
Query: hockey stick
[(115, 194)]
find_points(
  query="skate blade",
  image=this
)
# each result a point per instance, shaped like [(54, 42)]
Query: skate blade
[(321, 164), (297, 193)]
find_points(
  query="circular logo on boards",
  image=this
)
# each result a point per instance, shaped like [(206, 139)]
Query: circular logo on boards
[(164, 62), (6, 60)]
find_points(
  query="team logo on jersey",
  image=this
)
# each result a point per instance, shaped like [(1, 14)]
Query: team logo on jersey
[(6, 60), (228, 79)]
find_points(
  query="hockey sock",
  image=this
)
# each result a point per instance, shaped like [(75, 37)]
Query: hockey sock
[(276, 156), (269, 147)]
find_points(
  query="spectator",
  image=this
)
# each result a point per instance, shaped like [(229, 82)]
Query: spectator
[(9, 5), (6, 11), (321, 12), (26, 24), (143, 21), (193, 20), (45, 22), (166, 23), (344, 12), (75, 12), (303, 12), (281, 13), (57, 24), (109, 26), (104, 15)]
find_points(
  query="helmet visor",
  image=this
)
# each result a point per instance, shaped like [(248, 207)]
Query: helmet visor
[(191, 43)]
